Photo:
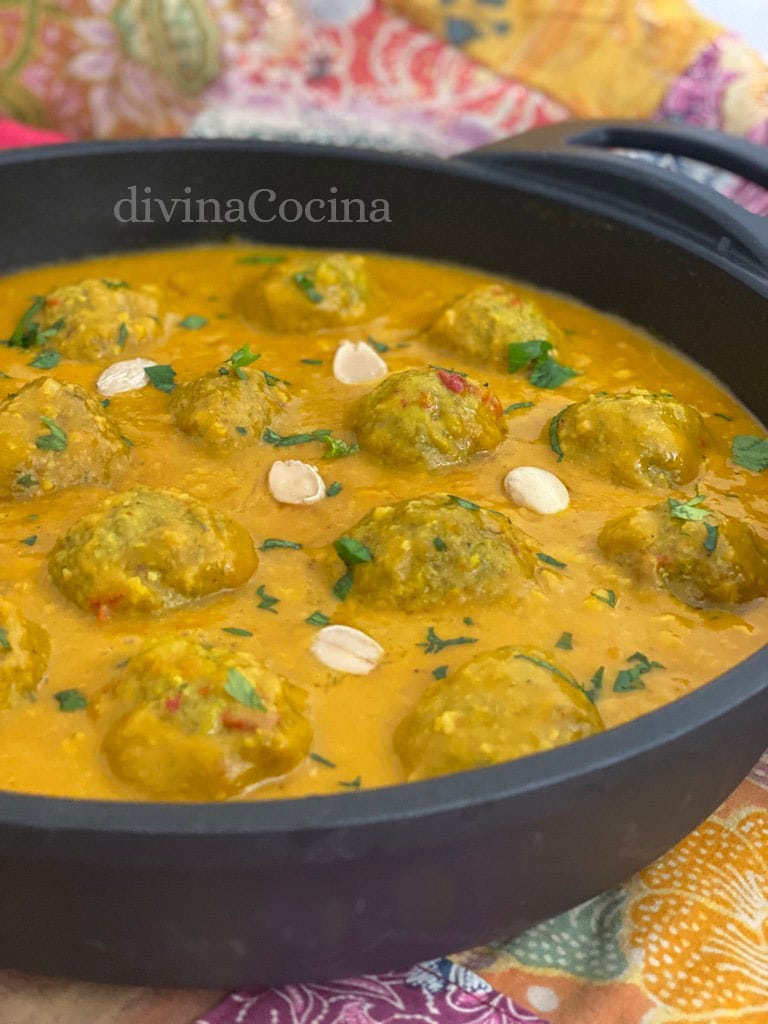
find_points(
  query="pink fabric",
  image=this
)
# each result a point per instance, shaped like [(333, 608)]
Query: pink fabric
[(13, 135)]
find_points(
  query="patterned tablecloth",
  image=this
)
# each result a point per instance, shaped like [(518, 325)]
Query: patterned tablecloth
[(686, 940)]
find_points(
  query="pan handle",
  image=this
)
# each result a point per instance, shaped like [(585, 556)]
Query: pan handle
[(579, 155)]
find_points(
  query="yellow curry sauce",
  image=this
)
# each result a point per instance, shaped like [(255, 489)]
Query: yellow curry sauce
[(582, 611)]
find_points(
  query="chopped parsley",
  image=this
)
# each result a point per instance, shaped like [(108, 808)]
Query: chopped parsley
[(289, 440), (241, 358), (265, 258), (464, 503), (691, 510), (710, 542), (26, 333), (317, 619), (351, 551), (467, 621), (546, 665), (46, 360), (236, 631), (354, 784), (548, 373), (56, 438), (242, 431), (554, 435), (342, 586), (521, 353), (321, 760), (595, 684), (105, 403), (378, 345), (71, 700), (267, 601), (333, 489), (193, 322), (127, 441), (434, 644), (606, 596), (312, 362), (565, 643), (306, 283), (338, 449), (114, 284), (722, 416), (631, 678), (440, 672), (444, 369), (272, 380), (26, 481), (161, 377), (439, 544), (5, 643), (243, 691), (276, 542), (549, 560), (122, 336), (751, 452), (518, 405), (30, 541)]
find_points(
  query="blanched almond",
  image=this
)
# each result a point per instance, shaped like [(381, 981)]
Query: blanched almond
[(127, 375), (295, 483), (347, 650), (356, 362), (536, 489)]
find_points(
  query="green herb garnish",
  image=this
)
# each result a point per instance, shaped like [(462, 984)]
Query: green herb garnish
[(275, 542), (521, 353), (354, 784), (312, 362), (161, 377), (722, 416), (5, 643), (114, 284), (595, 684), (306, 283), (242, 431), (440, 672), (193, 322), (317, 619), (463, 503), (236, 631), (546, 665), (691, 510), (272, 380), (71, 700), (321, 760), (710, 542), (243, 691), (606, 596), (122, 336), (56, 438), (554, 435), (26, 333), (565, 643), (750, 451), (445, 369), (338, 449), (342, 586), (267, 601), (333, 489), (548, 373), (518, 405), (46, 360), (630, 678), (434, 644), (127, 441), (262, 258), (289, 440), (549, 560), (30, 541), (378, 345), (351, 551), (26, 481), (439, 544)]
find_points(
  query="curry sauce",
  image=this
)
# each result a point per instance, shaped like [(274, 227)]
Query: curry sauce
[(629, 643)]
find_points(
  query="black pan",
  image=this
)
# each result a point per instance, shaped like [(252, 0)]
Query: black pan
[(244, 894)]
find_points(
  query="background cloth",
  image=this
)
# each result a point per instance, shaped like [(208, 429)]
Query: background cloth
[(686, 940)]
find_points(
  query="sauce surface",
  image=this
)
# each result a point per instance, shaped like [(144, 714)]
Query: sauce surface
[(577, 591)]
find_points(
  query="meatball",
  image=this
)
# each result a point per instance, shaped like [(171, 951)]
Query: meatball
[(429, 417), (483, 323), (308, 295), (147, 550), (93, 319), (202, 722), (55, 435), (716, 560), (229, 407), (24, 651), (638, 438), (501, 705), (423, 552)]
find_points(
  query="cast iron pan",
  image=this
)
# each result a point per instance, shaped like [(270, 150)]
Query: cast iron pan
[(245, 894)]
